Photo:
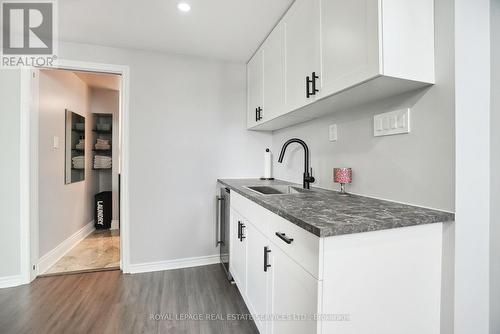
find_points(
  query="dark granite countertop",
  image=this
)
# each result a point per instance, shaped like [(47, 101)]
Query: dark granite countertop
[(326, 213)]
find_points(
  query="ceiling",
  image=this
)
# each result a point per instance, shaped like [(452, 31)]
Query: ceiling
[(222, 29), (99, 80)]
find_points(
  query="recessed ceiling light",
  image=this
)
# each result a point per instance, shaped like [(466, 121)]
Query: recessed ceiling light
[(183, 7)]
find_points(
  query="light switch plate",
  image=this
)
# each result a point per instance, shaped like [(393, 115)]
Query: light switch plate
[(55, 143), (392, 123), (332, 132)]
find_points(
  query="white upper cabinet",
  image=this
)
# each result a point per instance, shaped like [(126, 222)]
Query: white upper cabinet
[(339, 54), (407, 39), (255, 88), (302, 27), (274, 73), (349, 43)]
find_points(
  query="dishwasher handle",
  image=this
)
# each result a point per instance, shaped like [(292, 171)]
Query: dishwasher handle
[(218, 220)]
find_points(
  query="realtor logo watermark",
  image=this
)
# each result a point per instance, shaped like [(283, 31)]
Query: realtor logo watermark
[(29, 33)]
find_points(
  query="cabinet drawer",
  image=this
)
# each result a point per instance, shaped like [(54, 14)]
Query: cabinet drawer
[(251, 211), (303, 247)]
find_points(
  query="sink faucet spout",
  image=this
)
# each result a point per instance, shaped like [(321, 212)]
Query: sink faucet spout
[(307, 178)]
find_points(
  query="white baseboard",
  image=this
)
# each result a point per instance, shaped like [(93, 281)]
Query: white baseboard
[(173, 264), (115, 224), (11, 281), (49, 259)]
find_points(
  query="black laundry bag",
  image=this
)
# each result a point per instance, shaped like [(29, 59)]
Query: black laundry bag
[(103, 210)]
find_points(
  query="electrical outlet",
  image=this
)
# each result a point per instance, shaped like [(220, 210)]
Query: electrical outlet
[(392, 123), (332, 130)]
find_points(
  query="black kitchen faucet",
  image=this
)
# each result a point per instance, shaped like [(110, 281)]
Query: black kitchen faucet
[(308, 178)]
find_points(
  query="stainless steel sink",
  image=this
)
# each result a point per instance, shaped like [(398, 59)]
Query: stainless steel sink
[(278, 190)]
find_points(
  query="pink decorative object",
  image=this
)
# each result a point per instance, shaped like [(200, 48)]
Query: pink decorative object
[(342, 176)]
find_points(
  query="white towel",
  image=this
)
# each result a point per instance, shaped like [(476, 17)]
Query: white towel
[(102, 162)]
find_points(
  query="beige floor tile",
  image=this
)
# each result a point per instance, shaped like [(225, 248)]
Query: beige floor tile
[(99, 250)]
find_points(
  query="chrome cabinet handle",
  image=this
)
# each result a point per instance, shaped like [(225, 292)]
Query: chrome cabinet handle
[(283, 237)]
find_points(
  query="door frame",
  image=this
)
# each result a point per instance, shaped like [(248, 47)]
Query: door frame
[(29, 212)]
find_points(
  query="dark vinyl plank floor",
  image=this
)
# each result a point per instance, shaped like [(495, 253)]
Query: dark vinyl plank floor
[(174, 301)]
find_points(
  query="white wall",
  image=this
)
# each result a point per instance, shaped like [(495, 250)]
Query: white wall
[(187, 128), (107, 101), (63, 208), (495, 167), (10, 106), (472, 48)]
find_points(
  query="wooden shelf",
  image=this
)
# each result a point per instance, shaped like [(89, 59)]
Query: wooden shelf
[(107, 132)]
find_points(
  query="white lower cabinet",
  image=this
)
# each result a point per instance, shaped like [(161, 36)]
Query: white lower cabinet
[(353, 282), (257, 278), (238, 257), (281, 295), (293, 296)]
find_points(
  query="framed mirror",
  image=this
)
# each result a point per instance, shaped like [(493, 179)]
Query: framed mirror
[(75, 148)]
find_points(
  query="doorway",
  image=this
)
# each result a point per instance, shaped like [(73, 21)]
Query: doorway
[(78, 142), (104, 166)]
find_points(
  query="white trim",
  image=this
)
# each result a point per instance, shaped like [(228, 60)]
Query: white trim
[(25, 177), (174, 264), (115, 224), (29, 221), (11, 281), (124, 166), (49, 259), (33, 132)]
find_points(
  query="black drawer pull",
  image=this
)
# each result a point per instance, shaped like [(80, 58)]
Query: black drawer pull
[(266, 260), (311, 81), (241, 232), (283, 237), (308, 82), (314, 78)]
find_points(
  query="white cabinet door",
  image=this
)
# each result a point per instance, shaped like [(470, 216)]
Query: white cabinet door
[(302, 24), (274, 73), (257, 278), (238, 251), (349, 43), (255, 87), (294, 292)]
